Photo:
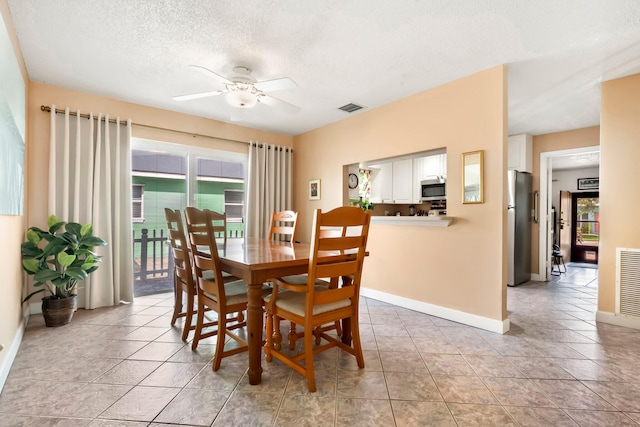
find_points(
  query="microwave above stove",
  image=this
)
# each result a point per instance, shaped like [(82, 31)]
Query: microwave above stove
[(433, 189)]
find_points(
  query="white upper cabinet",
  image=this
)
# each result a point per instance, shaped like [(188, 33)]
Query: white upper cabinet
[(386, 175), (402, 179), (381, 185), (520, 153)]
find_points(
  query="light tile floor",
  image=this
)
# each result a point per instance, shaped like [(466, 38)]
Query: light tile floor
[(125, 366)]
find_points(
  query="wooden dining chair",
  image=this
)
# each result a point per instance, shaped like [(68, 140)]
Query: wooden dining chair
[(284, 225), (331, 256), (183, 280), (227, 299)]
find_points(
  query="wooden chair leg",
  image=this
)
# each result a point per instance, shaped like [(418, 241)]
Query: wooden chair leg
[(188, 318), (177, 299), (308, 361), (293, 336), (357, 345), (268, 345), (222, 334), (199, 325), (277, 336), (317, 332)]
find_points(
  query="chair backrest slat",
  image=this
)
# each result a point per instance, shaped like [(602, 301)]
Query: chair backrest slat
[(284, 226), (179, 247)]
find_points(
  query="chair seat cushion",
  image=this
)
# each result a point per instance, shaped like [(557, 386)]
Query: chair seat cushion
[(295, 303), (236, 292)]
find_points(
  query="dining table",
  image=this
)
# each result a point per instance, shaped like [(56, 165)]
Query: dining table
[(256, 261)]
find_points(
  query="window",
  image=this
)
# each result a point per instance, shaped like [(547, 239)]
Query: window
[(137, 197), (175, 176), (234, 205)]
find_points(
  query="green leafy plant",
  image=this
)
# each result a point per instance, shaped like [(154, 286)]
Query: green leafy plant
[(60, 257), (366, 205)]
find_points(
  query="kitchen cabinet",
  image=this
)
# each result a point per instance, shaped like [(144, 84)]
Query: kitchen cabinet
[(391, 182), (381, 183), (520, 153), (398, 181), (427, 167), (402, 178)]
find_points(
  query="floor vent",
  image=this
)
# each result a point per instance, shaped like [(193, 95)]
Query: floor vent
[(351, 107), (628, 282)]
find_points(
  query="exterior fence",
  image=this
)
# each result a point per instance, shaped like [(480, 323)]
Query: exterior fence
[(154, 266), (154, 261)]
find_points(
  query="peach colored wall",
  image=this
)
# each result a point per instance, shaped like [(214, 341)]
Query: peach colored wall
[(12, 232), (38, 123), (619, 177), (585, 137), (42, 94), (458, 267)]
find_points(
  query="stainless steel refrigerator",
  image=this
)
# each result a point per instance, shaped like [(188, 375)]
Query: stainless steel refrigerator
[(519, 228)]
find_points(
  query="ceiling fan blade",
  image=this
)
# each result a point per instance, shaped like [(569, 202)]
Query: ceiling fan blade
[(278, 103), (209, 73), (276, 84), (197, 95)]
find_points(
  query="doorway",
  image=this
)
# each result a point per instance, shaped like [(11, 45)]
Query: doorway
[(585, 235), (565, 224), (549, 232)]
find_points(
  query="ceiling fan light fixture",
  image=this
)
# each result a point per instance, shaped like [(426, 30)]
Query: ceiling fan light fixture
[(241, 99)]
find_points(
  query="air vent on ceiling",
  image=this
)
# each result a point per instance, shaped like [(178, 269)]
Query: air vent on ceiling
[(351, 107)]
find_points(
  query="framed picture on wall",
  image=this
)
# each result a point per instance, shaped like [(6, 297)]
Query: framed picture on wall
[(588, 183), (314, 189)]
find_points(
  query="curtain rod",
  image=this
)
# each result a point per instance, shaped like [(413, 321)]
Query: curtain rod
[(47, 109)]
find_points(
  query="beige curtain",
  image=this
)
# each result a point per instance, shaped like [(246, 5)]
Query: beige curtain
[(90, 182), (269, 187)]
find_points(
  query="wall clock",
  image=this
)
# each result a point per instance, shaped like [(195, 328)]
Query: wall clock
[(353, 180)]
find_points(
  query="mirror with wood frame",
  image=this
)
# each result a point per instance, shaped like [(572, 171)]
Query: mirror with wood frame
[(472, 177)]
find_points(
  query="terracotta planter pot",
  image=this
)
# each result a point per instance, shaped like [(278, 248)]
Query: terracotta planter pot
[(58, 312)]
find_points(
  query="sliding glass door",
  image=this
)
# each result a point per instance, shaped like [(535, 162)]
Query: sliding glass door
[(174, 176)]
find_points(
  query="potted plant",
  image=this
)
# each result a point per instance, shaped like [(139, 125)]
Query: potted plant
[(59, 258)]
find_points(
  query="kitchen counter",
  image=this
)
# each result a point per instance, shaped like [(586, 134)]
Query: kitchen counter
[(417, 221)]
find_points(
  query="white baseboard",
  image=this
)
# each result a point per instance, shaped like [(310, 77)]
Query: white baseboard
[(469, 319), (12, 351), (618, 319), (35, 307), (537, 277)]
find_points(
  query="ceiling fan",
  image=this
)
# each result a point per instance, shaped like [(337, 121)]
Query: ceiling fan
[(244, 91)]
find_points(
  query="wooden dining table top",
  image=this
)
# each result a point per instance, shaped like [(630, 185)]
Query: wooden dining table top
[(257, 260), (258, 252)]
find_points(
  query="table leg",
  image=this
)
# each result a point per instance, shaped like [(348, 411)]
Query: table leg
[(254, 330), (346, 331)]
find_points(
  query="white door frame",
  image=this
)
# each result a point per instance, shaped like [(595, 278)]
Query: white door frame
[(546, 228)]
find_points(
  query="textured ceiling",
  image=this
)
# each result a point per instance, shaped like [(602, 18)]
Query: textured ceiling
[(369, 52)]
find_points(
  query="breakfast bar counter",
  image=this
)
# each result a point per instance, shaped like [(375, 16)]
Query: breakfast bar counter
[(417, 221)]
